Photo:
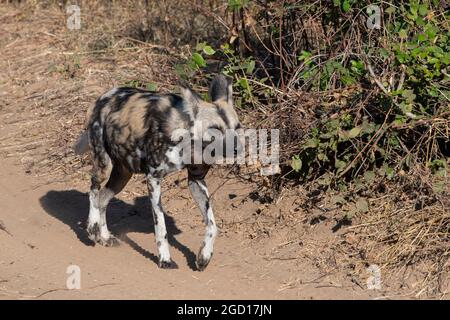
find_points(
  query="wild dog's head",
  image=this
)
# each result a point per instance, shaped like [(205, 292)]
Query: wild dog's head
[(216, 123), (221, 95)]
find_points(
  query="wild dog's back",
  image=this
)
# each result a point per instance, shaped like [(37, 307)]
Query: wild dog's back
[(135, 126)]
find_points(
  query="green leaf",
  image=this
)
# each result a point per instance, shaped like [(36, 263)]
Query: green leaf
[(357, 66), (347, 79), (431, 31), (311, 143), (399, 120), (409, 95), (324, 180), (367, 127), (389, 173), (304, 55), (413, 9), (296, 163), (402, 34), (340, 165), (326, 136), (322, 157), (401, 57), (250, 66), (333, 124), (423, 9), (421, 37), (237, 4), (353, 133), (208, 50), (390, 10), (345, 5), (393, 141), (369, 176), (180, 70), (199, 47), (198, 59), (420, 22), (243, 83)]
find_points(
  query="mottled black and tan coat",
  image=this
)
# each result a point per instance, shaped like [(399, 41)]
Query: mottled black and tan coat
[(131, 131)]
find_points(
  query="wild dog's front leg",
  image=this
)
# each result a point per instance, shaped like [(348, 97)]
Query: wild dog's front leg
[(154, 190), (199, 192)]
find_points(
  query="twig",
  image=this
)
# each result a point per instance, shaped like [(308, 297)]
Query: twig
[(374, 77), (2, 227)]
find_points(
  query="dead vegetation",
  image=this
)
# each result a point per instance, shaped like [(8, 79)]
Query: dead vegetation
[(399, 224)]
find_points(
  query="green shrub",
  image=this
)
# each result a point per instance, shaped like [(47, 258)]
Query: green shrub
[(389, 87)]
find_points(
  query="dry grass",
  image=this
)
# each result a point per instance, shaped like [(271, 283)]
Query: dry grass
[(405, 233)]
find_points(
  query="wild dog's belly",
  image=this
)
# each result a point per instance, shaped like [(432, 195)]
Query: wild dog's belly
[(142, 158)]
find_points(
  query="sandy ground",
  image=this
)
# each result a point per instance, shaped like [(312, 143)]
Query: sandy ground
[(43, 236), (43, 218)]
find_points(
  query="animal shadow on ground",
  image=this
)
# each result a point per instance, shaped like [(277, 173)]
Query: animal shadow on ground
[(72, 208)]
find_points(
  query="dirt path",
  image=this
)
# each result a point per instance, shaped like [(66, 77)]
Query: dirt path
[(42, 220), (43, 236)]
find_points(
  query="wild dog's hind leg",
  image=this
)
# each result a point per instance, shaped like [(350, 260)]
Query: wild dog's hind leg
[(100, 165), (154, 190), (99, 198), (199, 192)]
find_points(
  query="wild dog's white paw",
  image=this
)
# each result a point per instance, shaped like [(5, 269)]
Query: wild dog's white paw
[(167, 264), (105, 239), (204, 257)]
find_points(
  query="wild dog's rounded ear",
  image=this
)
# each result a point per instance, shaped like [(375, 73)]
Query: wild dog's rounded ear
[(188, 96), (221, 89)]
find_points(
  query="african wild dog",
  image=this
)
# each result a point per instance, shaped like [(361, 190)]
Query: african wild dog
[(132, 130)]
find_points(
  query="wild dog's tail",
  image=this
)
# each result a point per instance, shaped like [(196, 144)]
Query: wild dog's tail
[(82, 144)]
